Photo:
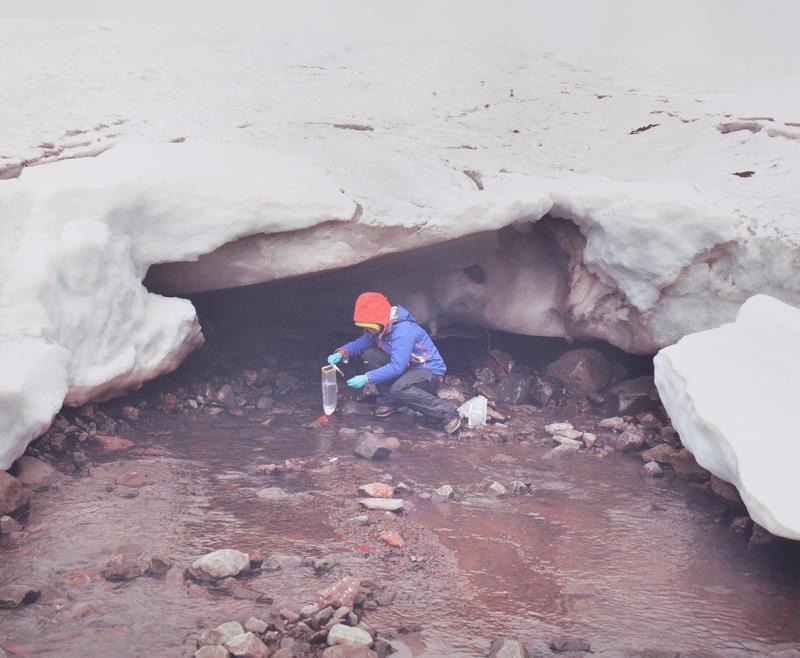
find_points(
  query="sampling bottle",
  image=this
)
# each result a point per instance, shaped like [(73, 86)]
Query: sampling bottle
[(329, 390)]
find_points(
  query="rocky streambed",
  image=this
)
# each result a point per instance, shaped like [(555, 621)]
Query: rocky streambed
[(572, 522)]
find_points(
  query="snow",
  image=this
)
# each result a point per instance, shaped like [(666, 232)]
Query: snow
[(224, 157), (730, 393)]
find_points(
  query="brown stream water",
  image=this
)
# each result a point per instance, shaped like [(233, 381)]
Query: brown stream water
[(597, 551)]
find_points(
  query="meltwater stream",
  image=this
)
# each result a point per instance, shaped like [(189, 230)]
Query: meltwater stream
[(596, 551)]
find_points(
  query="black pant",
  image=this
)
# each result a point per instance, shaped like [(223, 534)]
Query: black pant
[(415, 388)]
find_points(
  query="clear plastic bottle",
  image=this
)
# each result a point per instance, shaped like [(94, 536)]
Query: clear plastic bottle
[(330, 390)]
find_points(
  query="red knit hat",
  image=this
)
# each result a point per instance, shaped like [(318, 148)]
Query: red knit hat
[(372, 308)]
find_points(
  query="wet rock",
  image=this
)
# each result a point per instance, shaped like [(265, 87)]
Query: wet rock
[(370, 446), (220, 564), (452, 394), (741, 525), (377, 490), (272, 494), (392, 538), (569, 643), (35, 473), (247, 645), (558, 428), (384, 504), (514, 389), (322, 565), (589, 440), (661, 453), (345, 651), (130, 413), (309, 610), (560, 452), (13, 496), (220, 635), (519, 488), (582, 371), (759, 537), (497, 489), (264, 403), (685, 466), (354, 408), (8, 524), (653, 470), (226, 397), (505, 648), (113, 443), (631, 439), (636, 395), (126, 564), (614, 423), (212, 652), (342, 592), (725, 490), (17, 596), (349, 636), (565, 441)]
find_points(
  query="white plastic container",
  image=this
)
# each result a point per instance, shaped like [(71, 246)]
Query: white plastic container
[(330, 391), (474, 411)]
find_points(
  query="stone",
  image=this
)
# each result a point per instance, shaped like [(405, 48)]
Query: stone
[(342, 592), (250, 377), (226, 397), (519, 488), (582, 371), (497, 489), (445, 491), (126, 564), (589, 440), (392, 538), (558, 428), (542, 390), (130, 413), (212, 652), (247, 645), (220, 564), (349, 636), (613, 423), (661, 453), (452, 394), (505, 648), (8, 524), (392, 442), (255, 625), (377, 490), (559, 452), (17, 596), (113, 443), (221, 634), (264, 403), (725, 490), (569, 643), (14, 497), (353, 408), (741, 525), (272, 493), (370, 446), (384, 504), (631, 439), (636, 395), (760, 537), (565, 441), (345, 651), (685, 466), (653, 470), (514, 388), (309, 610), (35, 473)]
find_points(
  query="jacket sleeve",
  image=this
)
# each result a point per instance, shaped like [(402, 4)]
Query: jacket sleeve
[(356, 347), (402, 344)]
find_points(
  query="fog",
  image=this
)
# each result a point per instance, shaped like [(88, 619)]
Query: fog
[(720, 28)]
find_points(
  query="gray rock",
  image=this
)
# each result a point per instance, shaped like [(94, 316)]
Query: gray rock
[(569, 643), (725, 490), (560, 451), (264, 403), (514, 389), (347, 635), (614, 423), (13, 496), (272, 494), (17, 596), (653, 470), (566, 441), (212, 651), (255, 625), (543, 389), (445, 491), (505, 648), (582, 371), (344, 651), (385, 504), (661, 453), (519, 488), (636, 395), (247, 645), (220, 564), (229, 630), (309, 610), (589, 439), (370, 446), (497, 489), (35, 473), (631, 439), (558, 428), (226, 397), (7, 525)]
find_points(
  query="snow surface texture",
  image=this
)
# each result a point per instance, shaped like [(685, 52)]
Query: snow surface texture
[(730, 393), (262, 158)]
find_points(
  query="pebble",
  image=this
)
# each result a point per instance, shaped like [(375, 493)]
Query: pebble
[(446, 491), (377, 490), (613, 423), (392, 538), (653, 470), (247, 645), (222, 563), (387, 504), (347, 635), (497, 489)]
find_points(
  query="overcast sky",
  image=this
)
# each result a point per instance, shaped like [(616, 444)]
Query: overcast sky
[(719, 27)]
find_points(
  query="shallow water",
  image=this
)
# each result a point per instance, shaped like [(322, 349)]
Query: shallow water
[(596, 551)]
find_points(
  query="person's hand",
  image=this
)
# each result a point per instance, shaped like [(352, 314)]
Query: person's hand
[(334, 358), (359, 381)]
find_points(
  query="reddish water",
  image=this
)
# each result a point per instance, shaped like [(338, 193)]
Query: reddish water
[(597, 551)]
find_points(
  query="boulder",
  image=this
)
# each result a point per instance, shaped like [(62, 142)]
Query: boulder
[(636, 395), (582, 371), (542, 390), (220, 564), (370, 446), (631, 439), (35, 473), (514, 389), (13, 496), (505, 648)]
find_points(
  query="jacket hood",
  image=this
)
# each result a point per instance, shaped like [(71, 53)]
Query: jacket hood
[(372, 307)]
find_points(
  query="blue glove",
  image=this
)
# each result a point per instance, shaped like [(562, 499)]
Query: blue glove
[(359, 381), (334, 358)]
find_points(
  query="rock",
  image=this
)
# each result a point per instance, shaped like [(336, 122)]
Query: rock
[(226, 397), (569, 643), (725, 490), (504, 648), (35, 473), (309, 610), (613, 423), (497, 489), (377, 490), (342, 592), (169, 401), (345, 651), (685, 466), (741, 525), (17, 596), (370, 446), (451, 393), (113, 443), (13, 496), (130, 413), (653, 470), (392, 442), (353, 408), (250, 377), (221, 634), (560, 451), (504, 360), (661, 453), (558, 428), (519, 488), (564, 441), (445, 491), (636, 395), (220, 564), (272, 493), (589, 440), (582, 371), (264, 403), (760, 537), (631, 439), (514, 389), (8, 524), (392, 538), (649, 420), (349, 636), (247, 645), (212, 652), (385, 504), (542, 390), (127, 564), (487, 390)]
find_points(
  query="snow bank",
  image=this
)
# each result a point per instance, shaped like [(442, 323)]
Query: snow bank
[(731, 393)]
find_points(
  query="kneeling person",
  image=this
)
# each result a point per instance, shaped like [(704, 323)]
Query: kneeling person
[(403, 362)]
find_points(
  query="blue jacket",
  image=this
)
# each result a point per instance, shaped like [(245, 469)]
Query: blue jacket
[(407, 344)]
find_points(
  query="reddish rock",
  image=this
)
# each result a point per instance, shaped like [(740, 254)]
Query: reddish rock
[(582, 371), (685, 466), (377, 490), (170, 401), (392, 538), (130, 413), (35, 473), (631, 439), (226, 397), (341, 593), (113, 443), (13, 496), (661, 453), (247, 645), (250, 377)]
